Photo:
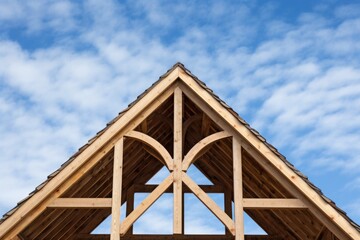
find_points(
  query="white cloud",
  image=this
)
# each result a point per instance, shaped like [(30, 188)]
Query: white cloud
[(35, 16)]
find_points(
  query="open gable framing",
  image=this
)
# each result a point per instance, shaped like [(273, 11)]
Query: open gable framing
[(175, 123)]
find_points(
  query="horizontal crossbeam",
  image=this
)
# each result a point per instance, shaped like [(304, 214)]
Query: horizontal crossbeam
[(139, 188), (174, 237)]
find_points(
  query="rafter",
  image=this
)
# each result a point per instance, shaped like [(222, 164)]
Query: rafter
[(81, 203)]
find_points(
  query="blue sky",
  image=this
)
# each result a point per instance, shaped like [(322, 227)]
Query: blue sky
[(290, 68)]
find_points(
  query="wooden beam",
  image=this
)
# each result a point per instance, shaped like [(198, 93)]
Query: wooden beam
[(209, 203), (178, 155), (141, 188), (174, 237), (268, 203), (228, 206), (116, 191), (154, 144), (144, 126), (199, 148), (81, 203), (238, 191), (145, 204), (130, 197)]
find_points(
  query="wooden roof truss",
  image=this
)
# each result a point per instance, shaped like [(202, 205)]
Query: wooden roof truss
[(176, 124)]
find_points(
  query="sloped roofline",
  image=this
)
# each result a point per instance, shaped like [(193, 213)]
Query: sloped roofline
[(178, 71)]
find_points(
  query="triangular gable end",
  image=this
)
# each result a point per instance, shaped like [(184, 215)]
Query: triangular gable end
[(222, 136)]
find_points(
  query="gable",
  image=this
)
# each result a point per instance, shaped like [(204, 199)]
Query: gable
[(204, 115)]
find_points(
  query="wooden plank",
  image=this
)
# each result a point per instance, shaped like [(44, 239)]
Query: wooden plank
[(117, 187), (269, 160), (200, 146), (145, 204), (238, 191), (81, 203), (34, 206), (154, 144), (269, 203), (209, 203), (178, 148)]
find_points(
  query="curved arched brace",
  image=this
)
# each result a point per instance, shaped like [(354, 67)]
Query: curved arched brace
[(153, 144), (200, 146)]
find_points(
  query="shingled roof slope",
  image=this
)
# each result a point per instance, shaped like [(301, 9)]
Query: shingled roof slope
[(223, 103)]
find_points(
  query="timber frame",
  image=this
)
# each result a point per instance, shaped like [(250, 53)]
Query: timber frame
[(176, 123)]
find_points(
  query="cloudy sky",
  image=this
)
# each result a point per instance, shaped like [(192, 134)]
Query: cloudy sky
[(290, 68)]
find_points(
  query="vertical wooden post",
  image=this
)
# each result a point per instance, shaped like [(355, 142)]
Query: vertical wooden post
[(178, 114), (130, 197), (238, 190), (116, 191), (228, 206)]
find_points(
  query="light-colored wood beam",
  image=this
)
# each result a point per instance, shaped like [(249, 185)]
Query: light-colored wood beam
[(144, 126), (116, 191), (175, 237), (209, 203), (81, 203), (199, 148), (140, 188), (238, 191), (268, 203), (178, 155), (154, 144), (145, 204)]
